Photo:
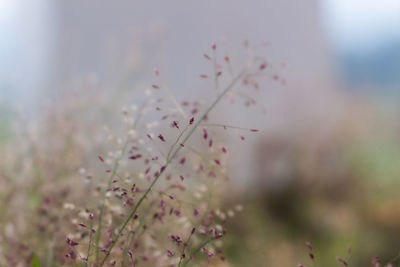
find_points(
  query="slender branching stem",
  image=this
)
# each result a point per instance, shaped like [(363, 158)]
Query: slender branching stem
[(184, 248), (176, 141), (90, 242), (174, 100), (196, 251), (168, 162), (228, 126), (112, 176)]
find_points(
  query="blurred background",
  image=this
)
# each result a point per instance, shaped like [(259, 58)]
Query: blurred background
[(325, 167)]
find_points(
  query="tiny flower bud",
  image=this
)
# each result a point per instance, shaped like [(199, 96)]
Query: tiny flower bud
[(161, 137), (163, 168), (342, 261), (205, 134), (170, 253), (136, 156)]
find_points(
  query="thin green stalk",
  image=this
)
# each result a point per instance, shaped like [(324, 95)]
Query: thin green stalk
[(173, 99), (129, 240), (215, 71), (90, 242), (202, 245), (229, 126), (112, 175), (176, 141), (169, 160), (184, 248)]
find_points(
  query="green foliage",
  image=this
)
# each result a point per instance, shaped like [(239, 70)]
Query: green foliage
[(35, 262)]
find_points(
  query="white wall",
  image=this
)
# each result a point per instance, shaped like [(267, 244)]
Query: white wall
[(25, 48)]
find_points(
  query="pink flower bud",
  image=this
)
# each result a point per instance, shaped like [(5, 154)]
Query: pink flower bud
[(161, 137), (342, 261)]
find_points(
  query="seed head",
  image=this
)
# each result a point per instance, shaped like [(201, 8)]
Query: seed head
[(136, 156), (195, 212), (175, 124), (205, 134), (170, 253), (161, 137), (71, 242), (343, 261)]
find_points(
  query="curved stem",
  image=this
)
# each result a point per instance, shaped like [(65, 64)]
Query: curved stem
[(90, 242), (197, 250), (176, 141), (169, 160), (112, 175)]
